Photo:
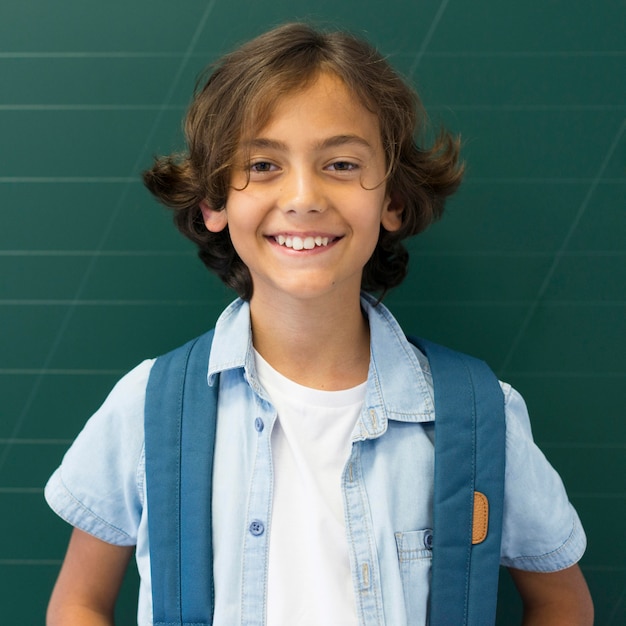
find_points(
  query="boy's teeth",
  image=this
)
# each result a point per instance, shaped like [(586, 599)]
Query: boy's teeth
[(298, 243)]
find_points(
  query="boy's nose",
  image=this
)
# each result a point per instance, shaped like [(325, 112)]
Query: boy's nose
[(302, 192)]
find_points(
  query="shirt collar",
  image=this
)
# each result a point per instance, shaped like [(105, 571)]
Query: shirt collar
[(399, 380), (399, 385), (232, 342)]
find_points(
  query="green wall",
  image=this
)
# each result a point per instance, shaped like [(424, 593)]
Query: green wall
[(526, 270)]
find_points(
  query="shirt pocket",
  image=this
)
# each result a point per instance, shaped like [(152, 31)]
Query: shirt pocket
[(415, 560)]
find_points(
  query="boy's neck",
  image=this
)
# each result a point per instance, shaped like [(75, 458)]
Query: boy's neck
[(318, 345)]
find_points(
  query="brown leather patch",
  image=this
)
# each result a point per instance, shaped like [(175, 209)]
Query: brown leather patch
[(480, 523)]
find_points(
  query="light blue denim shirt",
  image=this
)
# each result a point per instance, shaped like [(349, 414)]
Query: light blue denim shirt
[(387, 483)]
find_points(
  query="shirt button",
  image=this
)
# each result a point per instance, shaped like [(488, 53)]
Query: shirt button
[(428, 541), (258, 424), (256, 527)]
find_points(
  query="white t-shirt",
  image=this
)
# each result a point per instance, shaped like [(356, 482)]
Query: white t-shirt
[(309, 581)]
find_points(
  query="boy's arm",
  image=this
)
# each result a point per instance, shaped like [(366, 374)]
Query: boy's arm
[(89, 581), (555, 599)]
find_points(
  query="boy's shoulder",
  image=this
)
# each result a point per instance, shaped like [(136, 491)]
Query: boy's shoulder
[(127, 397)]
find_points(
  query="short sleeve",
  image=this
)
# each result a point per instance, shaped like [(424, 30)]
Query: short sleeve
[(541, 529), (99, 486)]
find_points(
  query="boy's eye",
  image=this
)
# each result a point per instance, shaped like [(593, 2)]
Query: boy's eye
[(262, 166), (342, 166)]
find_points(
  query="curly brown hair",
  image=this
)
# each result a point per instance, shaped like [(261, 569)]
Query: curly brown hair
[(237, 98)]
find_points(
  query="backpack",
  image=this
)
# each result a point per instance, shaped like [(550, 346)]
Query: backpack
[(180, 417)]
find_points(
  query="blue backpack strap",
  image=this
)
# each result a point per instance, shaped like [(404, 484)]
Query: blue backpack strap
[(180, 414), (181, 411), (469, 458)]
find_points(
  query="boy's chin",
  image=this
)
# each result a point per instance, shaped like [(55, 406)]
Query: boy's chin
[(308, 290)]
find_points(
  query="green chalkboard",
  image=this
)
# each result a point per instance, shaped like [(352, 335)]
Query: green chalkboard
[(527, 269)]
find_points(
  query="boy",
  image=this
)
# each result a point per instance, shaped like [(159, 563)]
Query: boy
[(301, 179)]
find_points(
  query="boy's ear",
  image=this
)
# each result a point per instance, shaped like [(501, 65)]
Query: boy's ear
[(391, 219), (215, 220)]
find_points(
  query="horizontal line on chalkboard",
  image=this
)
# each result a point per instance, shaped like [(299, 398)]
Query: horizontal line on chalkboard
[(113, 54), (522, 180), (508, 303), (70, 179), (92, 107), (527, 180), (417, 304), (30, 371), (597, 496), (506, 54), (603, 568), (531, 108), (68, 54), (564, 445), (99, 253), (26, 371), (515, 253), (71, 302), (31, 561), (209, 54), (420, 253), (540, 374), (14, 441)]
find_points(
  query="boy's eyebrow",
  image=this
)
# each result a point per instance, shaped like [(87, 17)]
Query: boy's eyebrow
[(336, 141), (342, 140)]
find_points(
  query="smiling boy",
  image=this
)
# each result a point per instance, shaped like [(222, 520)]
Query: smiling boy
[(302, 177), (316, 171)]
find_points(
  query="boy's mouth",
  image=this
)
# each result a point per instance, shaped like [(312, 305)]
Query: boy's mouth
[(303, 243)]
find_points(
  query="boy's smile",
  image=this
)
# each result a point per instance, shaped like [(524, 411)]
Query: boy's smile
[(308, 195), (304, 241)]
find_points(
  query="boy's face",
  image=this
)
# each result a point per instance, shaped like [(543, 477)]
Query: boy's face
[(308, 196)]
